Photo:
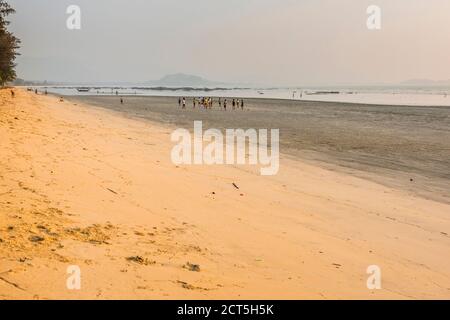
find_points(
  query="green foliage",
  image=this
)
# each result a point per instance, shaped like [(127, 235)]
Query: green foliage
[(8, 46)]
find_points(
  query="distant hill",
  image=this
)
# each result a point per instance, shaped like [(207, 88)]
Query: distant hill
[(183, 80), (21, 82), (426, 82)]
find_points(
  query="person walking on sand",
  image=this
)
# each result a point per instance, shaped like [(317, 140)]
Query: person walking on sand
[(121, 100), (184, 103), (12, 94), (220, 103), (225, 105), (194, 102), (233, 103), (242, 104), (179, 101)]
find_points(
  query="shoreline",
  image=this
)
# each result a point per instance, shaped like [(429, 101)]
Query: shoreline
[(260, 98), (74, 175), (369, 95)]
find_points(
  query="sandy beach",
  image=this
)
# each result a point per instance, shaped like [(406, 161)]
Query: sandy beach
[(387, 144), (86, 186)]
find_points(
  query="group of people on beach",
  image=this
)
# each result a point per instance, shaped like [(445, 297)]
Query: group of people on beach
[(36, 91), (207, 103)]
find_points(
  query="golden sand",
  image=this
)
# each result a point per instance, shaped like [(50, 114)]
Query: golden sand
[(84, 186)]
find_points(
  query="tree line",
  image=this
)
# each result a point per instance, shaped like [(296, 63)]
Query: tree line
[(8, 46)]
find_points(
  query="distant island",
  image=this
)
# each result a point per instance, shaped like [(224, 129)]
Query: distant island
[(426, 83), (178, 80), (184, 80)]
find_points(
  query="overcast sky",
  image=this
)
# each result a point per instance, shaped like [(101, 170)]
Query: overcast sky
[(274, 42)]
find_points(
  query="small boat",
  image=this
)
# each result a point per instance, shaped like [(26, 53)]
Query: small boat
[(83, 89)]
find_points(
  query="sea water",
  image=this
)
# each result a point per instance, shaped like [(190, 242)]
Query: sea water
[(413, 96)]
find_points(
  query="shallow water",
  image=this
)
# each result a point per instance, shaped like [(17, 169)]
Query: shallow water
[(410, 96)]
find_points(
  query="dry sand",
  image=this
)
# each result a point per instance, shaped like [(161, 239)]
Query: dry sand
[(83, 186)]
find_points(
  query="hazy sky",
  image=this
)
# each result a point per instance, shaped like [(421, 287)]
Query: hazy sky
[(276, 42)]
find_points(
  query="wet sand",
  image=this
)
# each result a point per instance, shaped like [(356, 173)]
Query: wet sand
[(85, 186), (387, 144)]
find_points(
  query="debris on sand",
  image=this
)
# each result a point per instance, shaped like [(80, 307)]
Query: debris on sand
[(188, 286), (235, 185), (192, 267), (111, 190), (11, 283), (36, 239), (136, 259), (93, 234), (140, 260)]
